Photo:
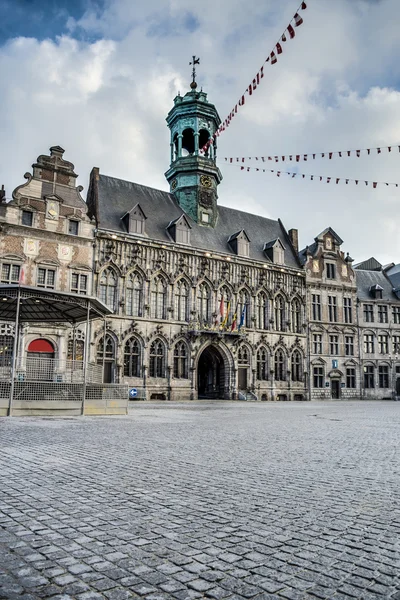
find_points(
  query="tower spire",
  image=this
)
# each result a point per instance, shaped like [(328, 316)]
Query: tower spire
[(195, 61)]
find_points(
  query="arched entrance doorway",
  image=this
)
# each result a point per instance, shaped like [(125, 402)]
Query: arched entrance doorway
[(39, 363), (211, 374)]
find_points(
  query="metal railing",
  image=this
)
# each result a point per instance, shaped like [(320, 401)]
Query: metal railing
[(54, 370)]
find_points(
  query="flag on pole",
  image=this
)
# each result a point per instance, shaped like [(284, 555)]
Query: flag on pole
[(234, 320), (225, 321), (21, 279), (242, 317)]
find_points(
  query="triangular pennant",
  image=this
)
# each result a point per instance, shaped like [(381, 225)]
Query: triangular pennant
[(347, 181), (379, 150), (241, 101), (283, 158), (303, 6), (375, 183), (279, 48), (340, 155), (276, 158), (273, 58), (291, 31), (356, 180), (328, 180), (262, 72), (348, 152), (389, 148), (305, 157), (250, 89), (337, 180), (312, 177), (358, 152), (283, 38), (366, 183), (330, 155), (297, 157), (368, 151)]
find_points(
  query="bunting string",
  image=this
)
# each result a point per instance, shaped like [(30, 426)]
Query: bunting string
[(288, 34), (321, 178), (313, 155)]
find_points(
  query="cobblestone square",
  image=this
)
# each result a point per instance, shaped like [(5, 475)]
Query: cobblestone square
[(215, 500)]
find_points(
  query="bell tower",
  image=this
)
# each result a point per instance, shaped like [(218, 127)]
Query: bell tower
[(193, 176)]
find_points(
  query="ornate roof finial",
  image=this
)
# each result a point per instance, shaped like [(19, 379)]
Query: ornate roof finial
[(195, 61)]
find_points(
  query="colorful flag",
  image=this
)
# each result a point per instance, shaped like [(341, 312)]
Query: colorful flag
[(234, 320), (242, 317), (225, 321), (21, 279)]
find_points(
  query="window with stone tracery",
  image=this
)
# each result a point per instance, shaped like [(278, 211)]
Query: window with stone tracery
[(297, 366), (262, 364), (181, 360), (108, 288), (204, 303), (132, 358), (157, 359), (158, 294), (280, 366), (181, 301), (280, 313), (262, 311), (134, 295)]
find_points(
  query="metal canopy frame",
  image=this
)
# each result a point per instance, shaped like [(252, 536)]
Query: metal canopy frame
[(50, 306), (25, 304)]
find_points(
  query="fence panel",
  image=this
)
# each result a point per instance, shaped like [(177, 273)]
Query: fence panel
[(106, 399)]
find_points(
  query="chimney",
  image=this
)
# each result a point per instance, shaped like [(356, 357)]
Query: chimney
[(294, 238), (2, 194)]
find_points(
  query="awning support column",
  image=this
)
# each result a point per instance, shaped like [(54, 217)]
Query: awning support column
[(86, 357), (14, 357)]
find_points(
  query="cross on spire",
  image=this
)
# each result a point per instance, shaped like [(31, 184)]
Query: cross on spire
[(195, 61)]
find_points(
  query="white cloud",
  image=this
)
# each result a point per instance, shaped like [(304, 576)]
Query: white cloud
[(334, 87)]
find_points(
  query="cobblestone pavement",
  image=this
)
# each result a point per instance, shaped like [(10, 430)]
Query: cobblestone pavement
[(203, 500)]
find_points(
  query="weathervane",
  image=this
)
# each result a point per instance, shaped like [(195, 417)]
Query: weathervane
[(195, 61)]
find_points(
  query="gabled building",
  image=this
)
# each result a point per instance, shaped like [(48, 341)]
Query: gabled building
[(208, 301), (379, 329), (46, 242), (333, 340)]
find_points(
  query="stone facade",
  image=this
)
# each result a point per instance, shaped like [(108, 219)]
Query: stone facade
[(207, 301), (46, 241), (333, 340), (379, 332)]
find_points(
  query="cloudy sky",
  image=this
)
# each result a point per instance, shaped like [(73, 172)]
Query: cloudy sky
[(98, 78)]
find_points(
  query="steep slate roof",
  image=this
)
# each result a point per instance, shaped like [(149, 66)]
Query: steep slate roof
[(371, 264), (394, 275), (367, 279), (116, 197)]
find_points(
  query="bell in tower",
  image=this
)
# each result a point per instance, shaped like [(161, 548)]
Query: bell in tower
[(193, 175)]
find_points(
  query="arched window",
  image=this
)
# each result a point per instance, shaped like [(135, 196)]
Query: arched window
[(204, 303), (279, 313), (157, 359), (262, 364), (262, 311), (181, 301), (187, 142), (180, 361), (296, 316), (134, 295), (109, 351), (6, 350), (243, 356), (243, 305), (108, 288), (297, 367), (280, 371), (132, 358), (158, 298)]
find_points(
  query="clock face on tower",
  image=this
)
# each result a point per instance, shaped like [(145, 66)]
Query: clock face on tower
[(206, 181)]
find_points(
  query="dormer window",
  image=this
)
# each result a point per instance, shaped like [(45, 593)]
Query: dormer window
[(240, 243), (179, 230), (275, 251), (27, 218), (205, 217), (376, 292), (134, 220)]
